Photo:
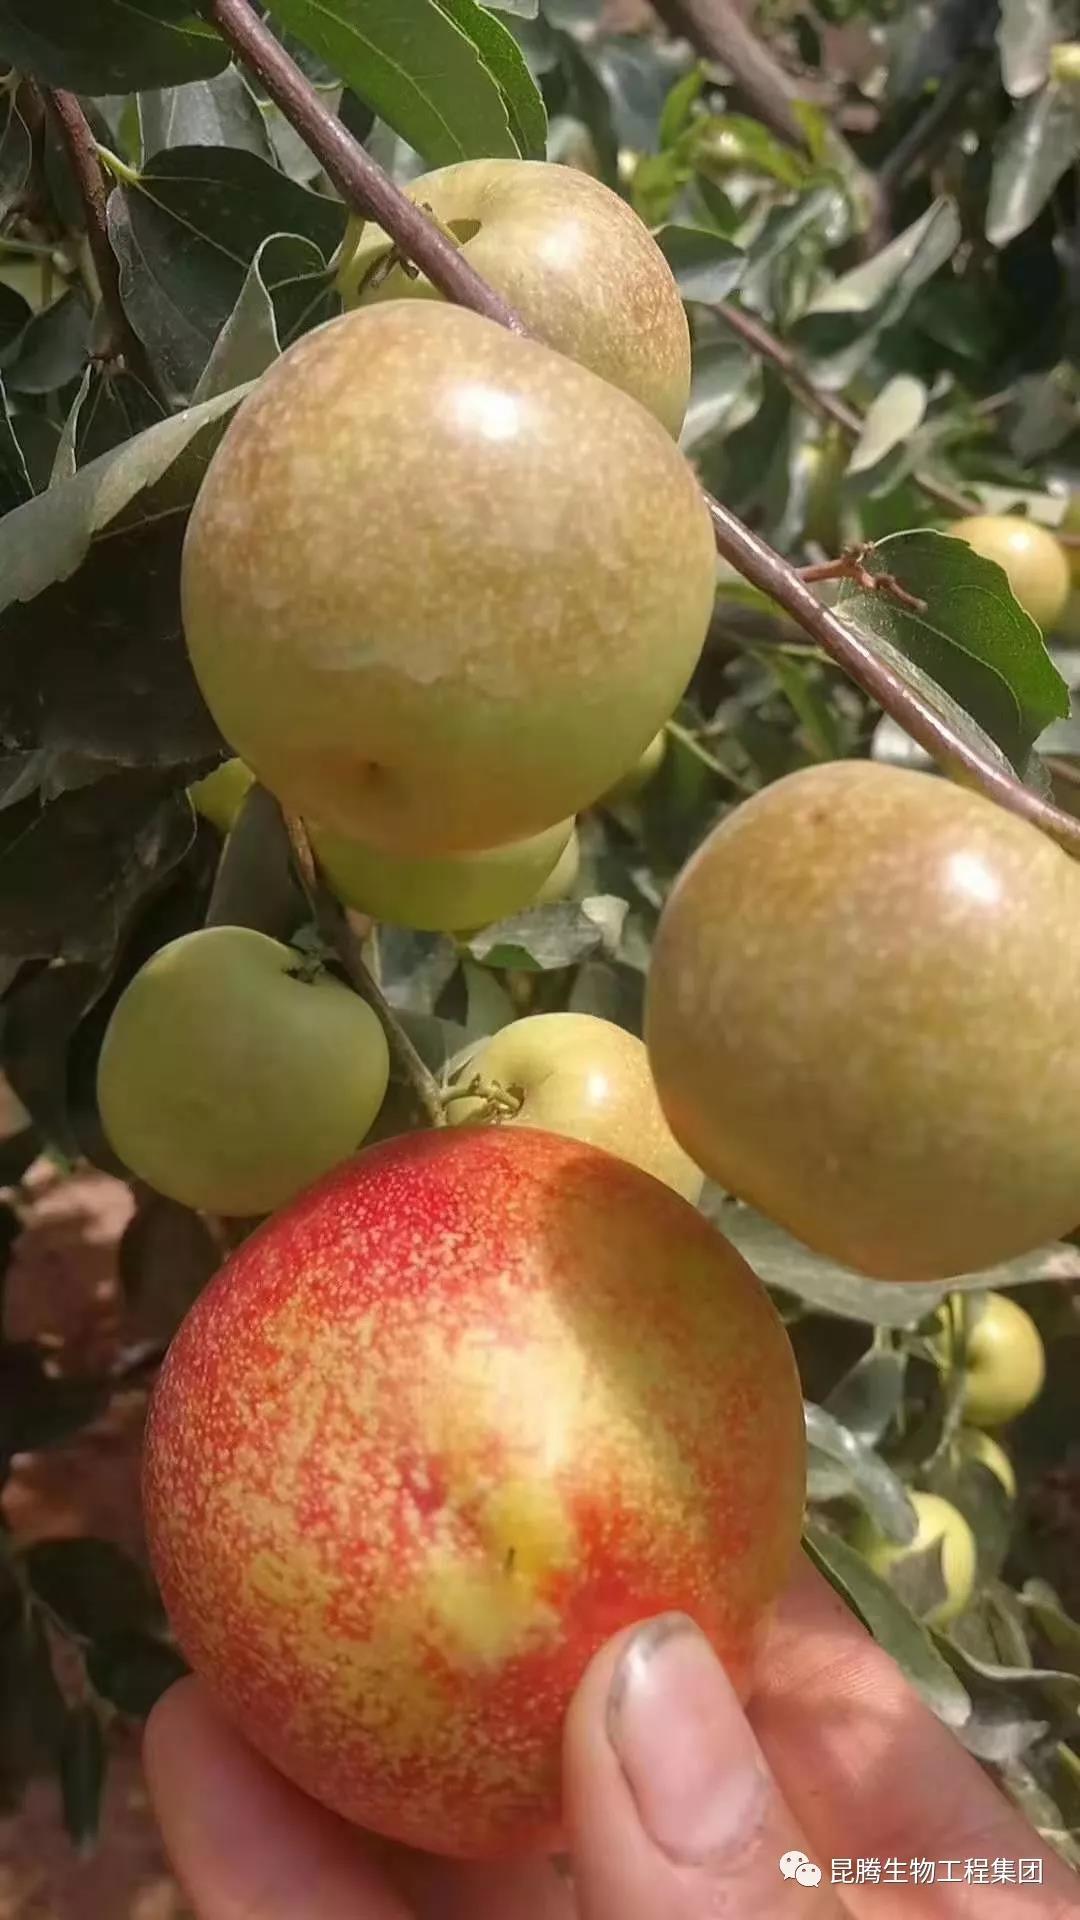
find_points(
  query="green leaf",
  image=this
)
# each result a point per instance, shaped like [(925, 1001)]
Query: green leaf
[(15, 153), (1036, 147), (678, 108), (15, 484), (37, 1410), (1027, 29), (219, 112), (543, 938), (842, 324), (892, 1624), (892, 418), (287, 290), (706, 267), (869, 1395), (416, 66), (504, 59), (90, 1586), (112, 46), (132, 1671), (52, 348), (728, 143), (82, 1764), (842, 1464), (973, 639), (186, 235)]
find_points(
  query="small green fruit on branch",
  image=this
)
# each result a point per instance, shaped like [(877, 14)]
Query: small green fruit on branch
[(333, 925)]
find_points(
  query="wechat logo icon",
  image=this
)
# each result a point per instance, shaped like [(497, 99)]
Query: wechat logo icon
[(795, 1865)]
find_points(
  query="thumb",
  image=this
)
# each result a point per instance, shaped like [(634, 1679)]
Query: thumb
[(671, 1810)]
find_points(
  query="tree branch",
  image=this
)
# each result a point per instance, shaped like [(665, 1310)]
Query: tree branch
[(352, 170), (122, 342), (828, 406), (332, 923), (362, 184), (715, 28)]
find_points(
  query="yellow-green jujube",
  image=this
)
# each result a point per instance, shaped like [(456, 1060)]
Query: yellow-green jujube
[(228, 1079), (1003, 1357), (569, 256), (641, 775), (563, 877), (441, 893), (938, 1522), (1034, 561), (585, 1077), (440, 584), (973, 1444), (862, 1015), (219, 795)]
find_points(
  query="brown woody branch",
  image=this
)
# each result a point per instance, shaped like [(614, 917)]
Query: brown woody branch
[(716, 29), (827, 406), (122, 342), (351, 169), (333, 926)]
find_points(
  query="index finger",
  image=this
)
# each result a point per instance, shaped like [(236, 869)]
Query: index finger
[(870, 1773)]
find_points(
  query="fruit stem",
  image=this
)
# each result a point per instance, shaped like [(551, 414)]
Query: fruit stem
[(365, 188), (332, 923), (361, 182)]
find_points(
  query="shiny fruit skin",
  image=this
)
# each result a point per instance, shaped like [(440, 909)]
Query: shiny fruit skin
[(1004, 1361), (1034, 561), (862, 1018), (440, 585), (219, 795), (440, 893), (973, 1444), (571, 258), (938, 1520), (586, 1078), (563, 877), (227, 1083), (473, 1403)]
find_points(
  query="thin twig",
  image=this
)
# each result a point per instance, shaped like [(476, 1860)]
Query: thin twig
[(851, 565), (332, 924), (714, 28), (123, 343), (360, 181), (366, 188), (828, 406)]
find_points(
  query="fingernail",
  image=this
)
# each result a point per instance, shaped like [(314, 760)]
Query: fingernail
[(684, 1744)]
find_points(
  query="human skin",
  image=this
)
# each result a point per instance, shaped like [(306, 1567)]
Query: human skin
[(570, 256), (586, 1078), (862, 1019), (847, 1762), (440, 584), (437, 1431)]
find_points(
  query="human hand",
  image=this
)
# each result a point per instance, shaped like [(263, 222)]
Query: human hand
[(678, 1805)]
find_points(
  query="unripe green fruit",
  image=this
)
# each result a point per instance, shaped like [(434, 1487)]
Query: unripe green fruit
[(1034, 561), (1004, 1360), (441, 585), (569, 256), (863, 1018), (441, 893), (1065, 62), (563, 877), (228, 1082), (640, 775), (219, 796), (940, 1521), (586, 1078), (973, 1444)]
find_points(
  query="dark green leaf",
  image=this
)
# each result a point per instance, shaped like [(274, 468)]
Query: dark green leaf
[(287, 291), (504, 59), (974, 639), (413, 968), (868, 1397), (15, 153), (220, 112), (1026, 32), (36, 1409), (41, 1014), (416, 66), (706, 267), (15, 484), (186, 235), (90, 1586), (845, 320), (254, 885), (893, 1626), (542, 938), (51, 349), (166, 1257), (82, 1764), (72, 872), (112, 46), (132, 1671), (1039, 144), (891, 419)]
